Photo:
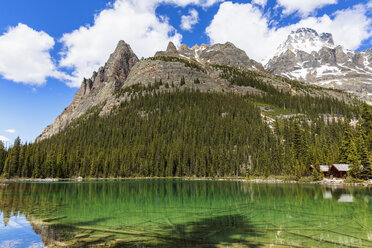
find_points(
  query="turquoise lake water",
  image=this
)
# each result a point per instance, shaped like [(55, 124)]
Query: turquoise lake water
[(177, 213)]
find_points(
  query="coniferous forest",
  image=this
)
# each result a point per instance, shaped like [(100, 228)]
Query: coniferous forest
[(189, 133)]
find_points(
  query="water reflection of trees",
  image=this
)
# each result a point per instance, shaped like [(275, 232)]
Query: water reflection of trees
[(186, 212), (206, 232)]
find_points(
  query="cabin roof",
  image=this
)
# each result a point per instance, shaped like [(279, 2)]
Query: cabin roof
[(342, 167)]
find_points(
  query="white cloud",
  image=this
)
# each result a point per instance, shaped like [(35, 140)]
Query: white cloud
[(10, 130), (3, 139), (188, 21), (304, 7), (253, 34), (24, 56), (262, 3), (135, 22), (349, 26)]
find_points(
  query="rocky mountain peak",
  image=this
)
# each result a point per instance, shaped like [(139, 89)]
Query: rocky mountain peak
[(195, 47), (313, 58), (108, 86), (95, 90), (171, 48), (120, 62), (222, 54), (183, 48), (304, 34), (307, 40)]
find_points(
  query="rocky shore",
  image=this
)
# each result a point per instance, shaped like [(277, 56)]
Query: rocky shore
[(326, 181)]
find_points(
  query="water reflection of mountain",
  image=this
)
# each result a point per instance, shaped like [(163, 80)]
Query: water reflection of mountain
[(170, 213)]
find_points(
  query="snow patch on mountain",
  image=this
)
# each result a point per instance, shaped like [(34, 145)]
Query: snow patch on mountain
[(314, 58), (306, 40)]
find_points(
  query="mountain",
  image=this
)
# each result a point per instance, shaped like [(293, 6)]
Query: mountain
[(314, 58), (205, 64), (222, 54), (101, 86), (206, 111)]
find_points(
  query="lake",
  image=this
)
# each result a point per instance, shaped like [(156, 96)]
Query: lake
[(180, 213)]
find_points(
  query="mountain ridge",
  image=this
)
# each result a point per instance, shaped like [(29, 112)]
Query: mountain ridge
[(207, 68), (314, 59)]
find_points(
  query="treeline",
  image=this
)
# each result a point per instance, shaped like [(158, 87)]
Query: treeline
[(306, 101), (189, 133), (356, 146)]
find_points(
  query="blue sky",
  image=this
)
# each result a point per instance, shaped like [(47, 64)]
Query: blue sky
[(47, 47)]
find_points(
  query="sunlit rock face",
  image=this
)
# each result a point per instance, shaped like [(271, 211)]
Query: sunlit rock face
[(124, 69), (221, 54), (97, 89), (314, 58), (200, 68)]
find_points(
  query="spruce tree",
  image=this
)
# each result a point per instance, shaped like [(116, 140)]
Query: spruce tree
[(353, 160), (346, 144), (2, 157), (183, 82)]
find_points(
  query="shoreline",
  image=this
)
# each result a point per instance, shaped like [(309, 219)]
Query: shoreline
[(327, 181)]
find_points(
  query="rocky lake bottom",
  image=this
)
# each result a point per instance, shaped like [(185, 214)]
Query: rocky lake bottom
[(182, 213)]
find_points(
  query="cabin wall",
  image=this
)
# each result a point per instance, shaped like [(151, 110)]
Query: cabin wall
[(336, 173)]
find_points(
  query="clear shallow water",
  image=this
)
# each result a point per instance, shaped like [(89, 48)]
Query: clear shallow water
[(185, 214), (16, 231)]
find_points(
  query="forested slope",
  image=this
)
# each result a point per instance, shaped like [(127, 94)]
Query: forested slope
[(190, 133), (213, 115)]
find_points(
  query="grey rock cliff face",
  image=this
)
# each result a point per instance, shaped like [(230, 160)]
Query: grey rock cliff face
[(195, 65), (314, 58), (94, 91), (221, 54)]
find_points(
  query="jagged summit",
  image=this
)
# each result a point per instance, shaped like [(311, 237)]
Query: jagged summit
[(97, 89), (309, 33), (223, 54), (313, 58), (183, 48), (201, 68), (171, 48), (120, 62), (307, 40)]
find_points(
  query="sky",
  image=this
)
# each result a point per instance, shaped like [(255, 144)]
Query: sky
[(47, 47)]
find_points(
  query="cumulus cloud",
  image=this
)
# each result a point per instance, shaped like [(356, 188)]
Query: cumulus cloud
[(188, 21), (25, 57), (304, 7), (135, 22), (88, 47), (3, 139), (349, 27), (25, 53), (10, 130), (262, 3)]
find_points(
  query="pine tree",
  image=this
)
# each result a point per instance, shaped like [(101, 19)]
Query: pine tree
[(183, 82), (353, 160), (12, 161), (346, 144), (317, 175), (185, 134), (2, 157)]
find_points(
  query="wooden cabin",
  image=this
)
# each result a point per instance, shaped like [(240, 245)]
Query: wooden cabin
[(339, 170), (324, 169)]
